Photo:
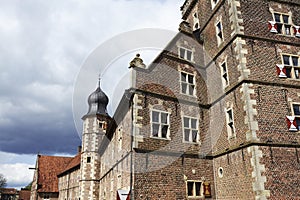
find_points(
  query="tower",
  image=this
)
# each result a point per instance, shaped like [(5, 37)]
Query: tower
[(95, 124), (254, 45)]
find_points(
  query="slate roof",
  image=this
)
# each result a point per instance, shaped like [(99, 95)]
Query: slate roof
[(48, 169)]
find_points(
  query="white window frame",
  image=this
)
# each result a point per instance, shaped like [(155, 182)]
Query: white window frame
[(218, 31), (286, 28), (292, 71), (214, 3), (224, 73), (191, 129), (188, 84), (46, 197), (230, 123), (194, 189), (196, 25), (185, 56), (159, 135), (297, 115)]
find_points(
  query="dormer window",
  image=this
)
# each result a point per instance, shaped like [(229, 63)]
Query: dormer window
[(186, 54)]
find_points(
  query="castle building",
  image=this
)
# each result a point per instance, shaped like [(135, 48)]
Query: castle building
[(215, 116)]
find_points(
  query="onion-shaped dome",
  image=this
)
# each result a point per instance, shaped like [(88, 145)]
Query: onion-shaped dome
[(98, 102)]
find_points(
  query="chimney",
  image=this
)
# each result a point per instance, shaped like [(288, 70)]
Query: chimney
[(79, 149)]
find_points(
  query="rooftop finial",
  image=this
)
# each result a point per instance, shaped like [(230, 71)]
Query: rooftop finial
[(99, 79)]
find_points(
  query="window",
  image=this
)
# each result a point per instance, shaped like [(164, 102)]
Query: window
[(185, 54), (224, 74), (102, 125), (88, 159), (214, 3), (219, 32), (230, 123), (284, 23), (46, 197), (291, 65), (187, 83), (194, 189), (296, 113), (160, 124), (190, 129)]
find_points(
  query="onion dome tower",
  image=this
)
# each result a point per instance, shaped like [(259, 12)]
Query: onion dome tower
[(95, 124), (98, 102)]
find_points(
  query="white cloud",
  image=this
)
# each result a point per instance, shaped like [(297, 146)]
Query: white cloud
[(43, 44), (17, 175)]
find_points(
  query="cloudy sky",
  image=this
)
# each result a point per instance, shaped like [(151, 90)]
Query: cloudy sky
[(43, 46)]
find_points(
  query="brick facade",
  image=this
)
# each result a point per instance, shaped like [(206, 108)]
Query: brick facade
[(208, 118)]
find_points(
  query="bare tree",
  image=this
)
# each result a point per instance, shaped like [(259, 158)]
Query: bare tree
[(2, 181)]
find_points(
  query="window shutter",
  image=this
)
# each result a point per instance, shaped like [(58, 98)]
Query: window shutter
[(273, 27), (291, 122), (281, 71), (297, 31)]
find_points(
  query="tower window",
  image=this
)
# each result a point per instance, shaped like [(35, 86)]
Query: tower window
[(284, 23), (219, 32), (160, 124), (190, 129), (291, 65), (88, 159), (187, 84)]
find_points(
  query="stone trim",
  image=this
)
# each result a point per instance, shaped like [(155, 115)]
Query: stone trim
[(137, 125), (259, 180), (234, 14)]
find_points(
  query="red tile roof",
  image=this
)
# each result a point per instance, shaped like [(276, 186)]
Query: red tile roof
[(48, 168), (74, 163), (8, 190)]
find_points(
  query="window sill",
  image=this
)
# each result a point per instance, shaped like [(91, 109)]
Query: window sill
[(160, 138), (194, 96), (232, 137), (187, 142)]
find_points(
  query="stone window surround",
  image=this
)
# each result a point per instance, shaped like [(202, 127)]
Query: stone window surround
[(225, 81), (191, 129), (230, 123), (188, 84), (219, 30), (186, 50), (291, 66), (194, 189), (214, 3), (297, 116), (168, 124), (290, 22)]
